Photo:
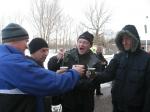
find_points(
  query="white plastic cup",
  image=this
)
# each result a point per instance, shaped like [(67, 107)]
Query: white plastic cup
[(90, 69), (64, 67)]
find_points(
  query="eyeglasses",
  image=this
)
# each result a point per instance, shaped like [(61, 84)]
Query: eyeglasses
[(84, 42)]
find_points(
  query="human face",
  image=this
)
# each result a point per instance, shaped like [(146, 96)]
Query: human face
[(99, 49), (40, 55), (83, 46), (127, 42), (21, 45)]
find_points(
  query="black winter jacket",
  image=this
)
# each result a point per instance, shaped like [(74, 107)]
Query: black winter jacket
[(130, 71), (47, 99), (21, 103), (82, 97)]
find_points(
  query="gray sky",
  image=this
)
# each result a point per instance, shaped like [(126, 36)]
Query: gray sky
[(123, 11)]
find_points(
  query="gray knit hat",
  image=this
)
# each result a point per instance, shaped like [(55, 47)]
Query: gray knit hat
[(14, 32)]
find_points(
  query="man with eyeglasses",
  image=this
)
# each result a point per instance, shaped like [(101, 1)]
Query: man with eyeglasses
[(80, 99)]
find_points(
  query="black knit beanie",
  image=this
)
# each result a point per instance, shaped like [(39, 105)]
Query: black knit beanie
[(36, 44), (14, 32), (87, 36)]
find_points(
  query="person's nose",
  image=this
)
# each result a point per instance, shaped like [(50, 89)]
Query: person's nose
[(123, 41), (81, 44), (47, 53)]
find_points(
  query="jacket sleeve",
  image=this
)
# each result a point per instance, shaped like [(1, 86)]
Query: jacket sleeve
[(54, 64), (109, 73), (86, 84), (30, 78), (146, 107)]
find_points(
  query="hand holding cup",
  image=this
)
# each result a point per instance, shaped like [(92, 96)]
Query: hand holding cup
[(90, 72), (79, 68), (60, 54)]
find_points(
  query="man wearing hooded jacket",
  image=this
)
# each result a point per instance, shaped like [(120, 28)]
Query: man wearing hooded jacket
[(130, 70)]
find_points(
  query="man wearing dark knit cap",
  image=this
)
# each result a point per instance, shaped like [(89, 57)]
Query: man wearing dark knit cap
[(23, 80), (81, 99), (39, 50)]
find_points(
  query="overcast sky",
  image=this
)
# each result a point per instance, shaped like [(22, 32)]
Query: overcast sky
[(123, 11)]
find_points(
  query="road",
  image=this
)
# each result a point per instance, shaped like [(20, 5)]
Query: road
[(103, 103)]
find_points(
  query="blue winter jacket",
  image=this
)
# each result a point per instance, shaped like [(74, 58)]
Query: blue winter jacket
[(21, 76)]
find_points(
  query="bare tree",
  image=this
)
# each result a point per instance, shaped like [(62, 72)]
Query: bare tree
[(63, 33), (1, 26), (96, 18), (79, 29), (66, 32), (45, 15), (2, 23), (18, 18)]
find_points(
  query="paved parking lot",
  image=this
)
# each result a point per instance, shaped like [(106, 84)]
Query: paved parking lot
[(103, 103)]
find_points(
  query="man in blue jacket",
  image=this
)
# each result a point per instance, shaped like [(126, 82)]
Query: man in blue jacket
[(23, 80), (39, 50)]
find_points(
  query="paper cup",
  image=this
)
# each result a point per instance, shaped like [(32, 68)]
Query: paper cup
[(64, 67), (91, 69)]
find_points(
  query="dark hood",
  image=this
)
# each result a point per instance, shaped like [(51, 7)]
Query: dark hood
[(131, 31)]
